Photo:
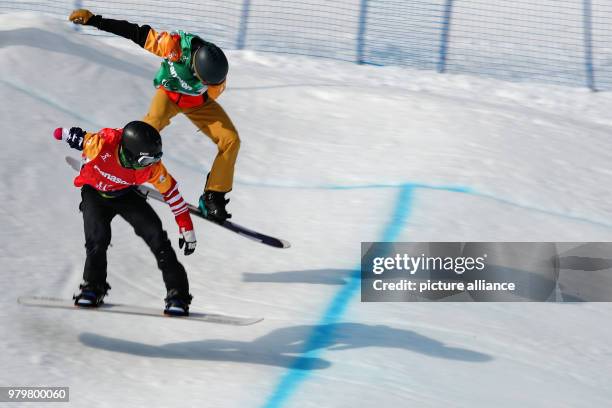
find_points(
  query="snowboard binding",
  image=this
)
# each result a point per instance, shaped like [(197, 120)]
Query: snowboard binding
[(92, 295), (177, 304)]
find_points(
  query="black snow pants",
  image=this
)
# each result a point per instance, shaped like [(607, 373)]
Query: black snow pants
[(99, 211)]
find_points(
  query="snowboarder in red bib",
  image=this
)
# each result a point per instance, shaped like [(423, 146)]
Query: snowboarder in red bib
[(115, 161), (191, 77)]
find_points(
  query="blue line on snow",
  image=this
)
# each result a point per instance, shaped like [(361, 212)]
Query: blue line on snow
[(457, 189), (442, 187), (42, 98), (322, 335), (540, 210)]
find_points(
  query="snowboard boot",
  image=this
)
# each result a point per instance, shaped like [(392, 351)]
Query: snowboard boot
[(212, 204), (92, 295), (177, 304)]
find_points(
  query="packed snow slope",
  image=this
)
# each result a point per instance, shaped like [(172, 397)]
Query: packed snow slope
[(332, 154)]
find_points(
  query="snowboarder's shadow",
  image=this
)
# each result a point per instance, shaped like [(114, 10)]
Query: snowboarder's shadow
[(285, 347)]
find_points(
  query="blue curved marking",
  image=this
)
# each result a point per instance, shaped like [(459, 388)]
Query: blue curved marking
[(575, 217), (47, 100), (458, 189), (322, 335)]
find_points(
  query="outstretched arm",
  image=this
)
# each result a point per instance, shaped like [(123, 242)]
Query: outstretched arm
[(123, 28), (163, 44), (166, 185)]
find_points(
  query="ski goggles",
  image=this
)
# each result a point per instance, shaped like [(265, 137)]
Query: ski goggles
[(144, 161)]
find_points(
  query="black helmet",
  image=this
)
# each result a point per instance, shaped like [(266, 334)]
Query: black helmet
[(208, 62), (141, 144)]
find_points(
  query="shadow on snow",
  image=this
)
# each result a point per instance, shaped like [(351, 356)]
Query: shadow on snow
[(282, 347)]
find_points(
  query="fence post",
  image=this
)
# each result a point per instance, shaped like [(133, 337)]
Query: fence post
[(588, 44), (77, 5), (363, 14), (446, 20), (244, 19)]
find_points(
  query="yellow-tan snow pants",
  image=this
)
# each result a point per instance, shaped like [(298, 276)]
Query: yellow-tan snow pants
[(212, 120)]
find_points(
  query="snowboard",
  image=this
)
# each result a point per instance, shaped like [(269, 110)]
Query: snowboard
[(50, 302), (194, 210)]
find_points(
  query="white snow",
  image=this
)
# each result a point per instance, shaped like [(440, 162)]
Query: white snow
[(536, 158)]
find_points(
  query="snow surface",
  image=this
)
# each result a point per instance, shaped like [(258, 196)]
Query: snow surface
[(326, 149)]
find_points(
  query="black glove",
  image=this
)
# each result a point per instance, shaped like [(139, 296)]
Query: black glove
[(75, 138)]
